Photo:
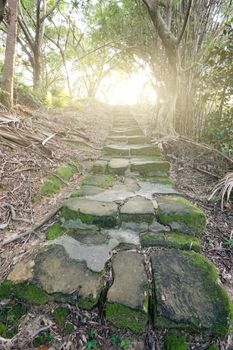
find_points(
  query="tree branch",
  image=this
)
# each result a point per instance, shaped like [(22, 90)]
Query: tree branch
[(49, 12), (185, 21)]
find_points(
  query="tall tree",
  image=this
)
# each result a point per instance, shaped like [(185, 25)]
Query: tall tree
[(9, 62), (32, 24)]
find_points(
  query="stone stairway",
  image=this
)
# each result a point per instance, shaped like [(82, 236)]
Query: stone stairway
[(127, 241)]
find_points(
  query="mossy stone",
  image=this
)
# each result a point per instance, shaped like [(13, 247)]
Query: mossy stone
[(170, 240), (98, 180), (124, 317), (180, 214), (177, 276), (86, 190), (100, 167), (164, 180), (102, 214), (175, 341), (51, 185), (60, 315), (55, 231)]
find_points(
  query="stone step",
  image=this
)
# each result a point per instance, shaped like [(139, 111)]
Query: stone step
[(186, 293), (125, 132), (149, 167), (134, 139), (90, 212), (116, 150), (127, 299)]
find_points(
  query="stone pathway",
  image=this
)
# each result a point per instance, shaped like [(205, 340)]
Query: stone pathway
[(128, 221)]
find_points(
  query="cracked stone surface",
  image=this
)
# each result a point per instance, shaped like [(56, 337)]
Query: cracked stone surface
[(137, 209), (186, 292), (118, 166)]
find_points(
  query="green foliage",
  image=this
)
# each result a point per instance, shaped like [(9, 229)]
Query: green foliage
[(230, 243), (10, 315), (60, 315), (43, 338), (175, 341), (213, 347), (26, 96), (91, 344)]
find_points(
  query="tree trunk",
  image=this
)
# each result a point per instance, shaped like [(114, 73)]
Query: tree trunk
[(9, 62)]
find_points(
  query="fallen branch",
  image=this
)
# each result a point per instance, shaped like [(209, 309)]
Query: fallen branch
[(204, 172), (33, 229), (48, 138), (203, 145)]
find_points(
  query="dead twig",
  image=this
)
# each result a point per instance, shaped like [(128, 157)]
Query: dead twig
[(33, 229)]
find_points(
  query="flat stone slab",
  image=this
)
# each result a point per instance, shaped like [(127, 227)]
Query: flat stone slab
[(117, 150), (149, 167), (170, 240), (90, 211), (156, 227), (86, 190), (126, 131), (99, 180), (100, 167), (127, 298), (180, 214), (186, 294), (144, 150), (137, 209), (118, 166), (112, 196), (149, 190), (137, 139), (56, 272)]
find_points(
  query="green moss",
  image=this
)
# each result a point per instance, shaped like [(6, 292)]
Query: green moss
[(137, 218), (179, 210), (87, 303), (65, 172), (43, 338), (51, 186), (6, 289), (170, 240), (60, 315), (205, 265), (103, 181), (213, 347), (55, 231), (31, 294), (103, 221), (10, 315), (163, 180), (69, 328), (125, 317), (175, 341)]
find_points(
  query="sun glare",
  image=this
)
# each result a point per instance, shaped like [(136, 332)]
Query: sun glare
[(118, 90)]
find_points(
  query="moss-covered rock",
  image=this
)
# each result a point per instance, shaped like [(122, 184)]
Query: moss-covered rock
[(164, 180), (89, 211), (175, 341), (186, 294), (180, 214), (147, 167), (170, 240), (86, 190), (100, 166), (98, 180), (124, 317)]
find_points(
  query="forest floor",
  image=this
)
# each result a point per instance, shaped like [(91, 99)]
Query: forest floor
[(48, 139)]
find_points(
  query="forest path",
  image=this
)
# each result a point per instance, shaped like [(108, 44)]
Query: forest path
[(127, 242)]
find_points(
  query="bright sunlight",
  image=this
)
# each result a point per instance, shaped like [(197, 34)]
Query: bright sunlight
[(132, 89)]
